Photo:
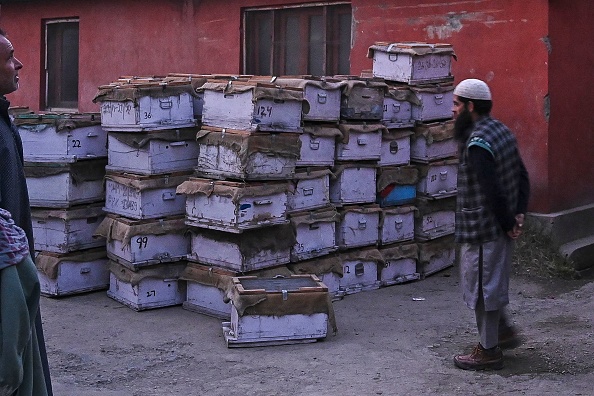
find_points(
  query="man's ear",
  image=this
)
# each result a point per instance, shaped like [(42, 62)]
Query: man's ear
[(470, 106)]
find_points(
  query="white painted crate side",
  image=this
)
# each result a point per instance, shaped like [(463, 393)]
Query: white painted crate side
[(438, 179), (310, 191), (353, 184), (207, 300), (314, 238), (332, 281), (147, 203), (361, 145), (397, 225), (359, 275), (175, 111), (358, 227), (61, 191), (433, 141), (75, 277), (323, 103), (399, 263), (149, 249), (208, 249), (435, 103), (436, 255), (157, 156), (411, 62), (396, 150), (436, 218), (62, 233), (148, 293), (316, 150), (397, 113), (43, 142), (220, 212)]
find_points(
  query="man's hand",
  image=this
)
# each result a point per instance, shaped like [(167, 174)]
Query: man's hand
[(515, 232)]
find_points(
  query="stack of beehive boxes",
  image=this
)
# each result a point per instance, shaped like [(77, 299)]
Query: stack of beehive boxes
[(65, 157), (420, 74), (151, 124)]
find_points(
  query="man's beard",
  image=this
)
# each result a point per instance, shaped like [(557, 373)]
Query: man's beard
[(463, 126)]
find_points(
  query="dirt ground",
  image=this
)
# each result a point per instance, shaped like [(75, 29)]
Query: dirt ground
[(397, 340)]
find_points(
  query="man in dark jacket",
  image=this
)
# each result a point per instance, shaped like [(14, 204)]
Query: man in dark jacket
[(493, 190), (14, 196)]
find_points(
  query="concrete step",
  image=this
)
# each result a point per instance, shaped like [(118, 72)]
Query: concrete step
[(580, 252), (565, 226)]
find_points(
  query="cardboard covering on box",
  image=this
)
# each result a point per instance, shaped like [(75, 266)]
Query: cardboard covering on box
[(362, 99)]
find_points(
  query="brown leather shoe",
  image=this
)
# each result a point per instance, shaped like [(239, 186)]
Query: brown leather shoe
[(509, 338), (480, 359)]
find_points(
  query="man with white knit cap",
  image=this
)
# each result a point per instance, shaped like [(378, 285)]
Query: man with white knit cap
[(493, 190)]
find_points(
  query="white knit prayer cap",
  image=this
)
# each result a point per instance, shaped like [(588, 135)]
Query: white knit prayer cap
[(473, 89)]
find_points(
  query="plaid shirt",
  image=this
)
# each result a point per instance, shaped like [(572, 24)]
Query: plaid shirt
[(14, 246), (475, 222)]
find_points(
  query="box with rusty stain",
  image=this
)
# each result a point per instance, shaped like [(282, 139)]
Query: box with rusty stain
[(398, 102), (435, 218), (309, 189), (436, 255), (251, 250), (362, 99), (358, 226), (252, 105), (434, 102), (438, 179), (72, 273), (397, 185), (318, 142), (62, 185), (140, 243), (354, 183), (61, 137), (152, 153), (397, 224), (275, 311), (315, 233), (400, 263), (412, 62), (144, 197), (234, 206), (67, 230), (146, 104), (150, 287), (433, 141), (246, 155), (360, 270), (359, 142), (395, 150)]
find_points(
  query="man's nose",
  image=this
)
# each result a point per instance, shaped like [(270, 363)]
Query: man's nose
[(18, 64)]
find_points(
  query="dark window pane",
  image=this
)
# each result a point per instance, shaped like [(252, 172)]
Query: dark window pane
[(316, 45), (293, 42), (61, 65), (344, 46)]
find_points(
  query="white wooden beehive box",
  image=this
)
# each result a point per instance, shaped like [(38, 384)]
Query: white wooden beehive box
[(246, 155), (359, 142), (354, 182), (61, 137), (151, 153), (318, 143), (438, 179), (412, 62), (435, 218), (309, 189), (433, 141), (72, 273), (315, 233), (362, 99), (397, 224), (205, 289), (435, 102), (360, 270), (61, 185), (150, 287), (252, 106), (146, 105), (252, 250), (196, 81), (327, 268), (396, 148), (358, 226), (144, 197), (436, 255), (397, 185), (234, 206), (140, 243), (398, 107), (66, 230), (400, 264), (274, 311)]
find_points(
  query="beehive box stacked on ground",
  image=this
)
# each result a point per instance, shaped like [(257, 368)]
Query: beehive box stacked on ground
[(65, 157), (152, 124)]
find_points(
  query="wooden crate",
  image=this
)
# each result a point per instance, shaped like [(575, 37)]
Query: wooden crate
[(400, 263)]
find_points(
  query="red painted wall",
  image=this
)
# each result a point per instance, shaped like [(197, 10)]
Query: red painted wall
[(501, 41)]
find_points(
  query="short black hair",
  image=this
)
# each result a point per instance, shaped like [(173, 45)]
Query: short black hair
[(2, 32), (482, 107)]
